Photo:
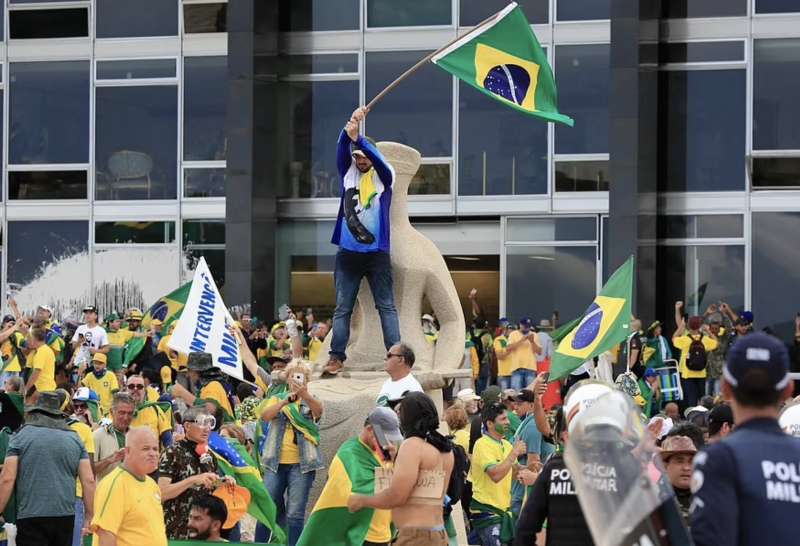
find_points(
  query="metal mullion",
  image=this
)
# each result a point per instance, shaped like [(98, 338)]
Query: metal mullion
[(688, 67), (503, 265), (560, 158), (190, 2), (6, 147), (202, 164), (705, 241), (326, 77), (774, 153), (551, 243), (40, 167), (144, 82), (50, 5), (156, 246)]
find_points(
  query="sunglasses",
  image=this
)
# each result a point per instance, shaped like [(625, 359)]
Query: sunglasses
[(204, 421), (136, 387)]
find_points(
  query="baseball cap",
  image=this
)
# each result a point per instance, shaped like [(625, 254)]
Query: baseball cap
[(9, 318), (46, 308), (650, 372), (100, 357), (747, 316), (675, 445), (467, 395), (111, 317), (135, 314), (386, 425), (491, 393), (427, 317), (718, 416), (526, 396), (509, 394), (90, 309), (85, 393), (757, 351), (525, 321)]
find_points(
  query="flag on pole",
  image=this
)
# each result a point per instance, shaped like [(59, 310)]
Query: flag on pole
[(503, 59), (603, 325), (167, 309)]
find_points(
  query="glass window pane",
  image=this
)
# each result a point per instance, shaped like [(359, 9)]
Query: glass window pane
[(215, 258), (698, 276), (203, 232), (125, 277), (680, 9), (431, 180), (473, 12), (583, 10), (134, 232), (581, 175), (582, 76), (136, 142), (529, 267), (390, 13), (775, 265), (551, 229), (204, 18), (123, 18), (318, 111), (203, 182), (702, 130), (424, 99), (305, 15), (700, 226), (47, 185), (702, 52), (329, 63), (46, 257), (776, 172), (512, 162), (49, 108), (49, 23), (136, 68), (776, 86), (205, 98), (776, 6)]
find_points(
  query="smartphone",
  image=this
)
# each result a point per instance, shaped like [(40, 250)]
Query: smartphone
[(283, 312), (545, 377), (299, 378)]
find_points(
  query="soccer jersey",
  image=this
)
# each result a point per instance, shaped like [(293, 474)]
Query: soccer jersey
[(105, 386), (487, 453), (44, 359)]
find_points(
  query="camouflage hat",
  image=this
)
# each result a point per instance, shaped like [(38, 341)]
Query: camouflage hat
[(200, 362)]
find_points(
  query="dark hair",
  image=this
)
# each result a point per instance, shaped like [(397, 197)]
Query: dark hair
[(407, 353), (492, 411), (419, 418), (244, 391), (38, 334), (691, 430), (707, 402), (215, 507), (756, 389)]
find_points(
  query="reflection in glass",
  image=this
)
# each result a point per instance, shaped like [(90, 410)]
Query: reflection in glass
[(702, 130), (47, 185), (582, 77), (134, 232), (775, 265), (123, 18), (431, 179), (581, 175), (203, 232), (204, 18), (318, 112), (389, 13), (205, 97), (202, 182), (551, 229), (49, 110), (48, 263), (681, 9), (473, 12), (419, 111), (136, 142), (699, 276), (776, 6), (128, 276), (776, 172), (215, 258), (136, 68), (327, 63), (530, 269), (702, 52), (48, 23), (776, 86), (305, 15), (700, 226), (512, 162), (583, 10)]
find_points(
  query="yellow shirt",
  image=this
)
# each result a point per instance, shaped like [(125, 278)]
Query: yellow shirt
[(10, 354), (176, 359), (461, 438), (119, 338), (290, 453), (105, 387), (683, 343), (314, 345), (505, 360), (153, 417), (130, 508), (84, 432), (486, 453), (522, 356), (44, 359)]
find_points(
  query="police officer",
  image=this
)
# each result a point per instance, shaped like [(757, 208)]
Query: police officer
[(747, 486)]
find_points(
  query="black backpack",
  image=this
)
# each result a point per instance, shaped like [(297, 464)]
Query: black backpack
[(696, 358), (458, 478)]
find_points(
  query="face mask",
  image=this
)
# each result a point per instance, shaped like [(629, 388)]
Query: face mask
[(500, 429)]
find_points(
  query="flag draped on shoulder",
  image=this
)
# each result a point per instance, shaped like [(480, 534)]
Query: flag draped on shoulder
[(233, 460), (603, 325), (307, 427), (167, 309), (503, 59), (352, 470)]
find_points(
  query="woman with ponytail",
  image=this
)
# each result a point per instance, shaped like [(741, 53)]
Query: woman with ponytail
[(421, 474)]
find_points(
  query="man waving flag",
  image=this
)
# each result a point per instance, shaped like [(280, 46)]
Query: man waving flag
[(603, 325)]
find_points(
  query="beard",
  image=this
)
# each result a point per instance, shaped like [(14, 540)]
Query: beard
[(196, 535)]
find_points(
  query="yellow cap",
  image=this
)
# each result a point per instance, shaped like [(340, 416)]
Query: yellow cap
[(100, 357)]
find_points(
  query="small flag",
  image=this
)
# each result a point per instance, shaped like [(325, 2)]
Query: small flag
[(167, 309), (603, 325), (505, 61)]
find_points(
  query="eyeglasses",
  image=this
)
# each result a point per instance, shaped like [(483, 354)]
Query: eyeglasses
[(390, 355), (136, 386), (204, 421)]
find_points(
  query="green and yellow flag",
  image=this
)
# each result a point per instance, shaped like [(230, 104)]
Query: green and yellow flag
[(352, 470), (603, 325), (167, 309), (503, 59)]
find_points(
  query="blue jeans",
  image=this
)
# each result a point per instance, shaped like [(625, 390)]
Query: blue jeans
[(351, 267), (521, 378), (79, 515), (712, 387), (490, 536), (504, 381), (289, 489)]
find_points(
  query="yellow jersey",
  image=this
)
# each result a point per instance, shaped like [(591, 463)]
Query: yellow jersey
[(105, 386), (84, 432), (44, 359), (486, 453), (505, 360), (153, 417), (522, 356), (683, 343)]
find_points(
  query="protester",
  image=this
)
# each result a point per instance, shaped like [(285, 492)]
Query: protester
[(42, 362), (672, 411), (420, 477), (694, 346), (398, 363), (316, 340), (207, 384), (89, 338), (429, 329), (677, 453), (523, 345), (536, 448), (102, 381), (128, 509), (457, 420), (546, 343), (12, 342), (658, 345), (794, 354), (109, 439), (206, 518), (469, 400), (42, 464), (149, 414), (716, 358), (720, 423), (744, 484), (505, 360)]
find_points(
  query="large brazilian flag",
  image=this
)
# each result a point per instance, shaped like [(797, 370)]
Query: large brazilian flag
[(603, 325), (352, 470), (167, 309), (503, 59)]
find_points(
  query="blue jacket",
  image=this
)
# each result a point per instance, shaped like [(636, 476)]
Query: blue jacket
[(375, 218), (747, 488), (310, 454)]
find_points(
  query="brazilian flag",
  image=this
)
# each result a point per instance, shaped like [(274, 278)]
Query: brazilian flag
[(167, 309), (503, 59), (603, 325)]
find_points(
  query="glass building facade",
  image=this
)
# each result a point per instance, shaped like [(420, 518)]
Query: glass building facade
[(116, 130)]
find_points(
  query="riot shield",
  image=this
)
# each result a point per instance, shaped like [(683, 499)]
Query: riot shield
[(625, 494)]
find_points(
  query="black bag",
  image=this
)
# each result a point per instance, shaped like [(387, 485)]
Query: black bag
[(458, 478), (697, 358)]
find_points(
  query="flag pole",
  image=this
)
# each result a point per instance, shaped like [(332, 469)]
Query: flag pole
[(427, 58)]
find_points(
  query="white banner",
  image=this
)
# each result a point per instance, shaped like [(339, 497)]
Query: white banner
[(204, 324)]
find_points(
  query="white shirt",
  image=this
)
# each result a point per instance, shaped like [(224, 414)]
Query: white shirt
[(394, 390), (546, 343), (95, 338)]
